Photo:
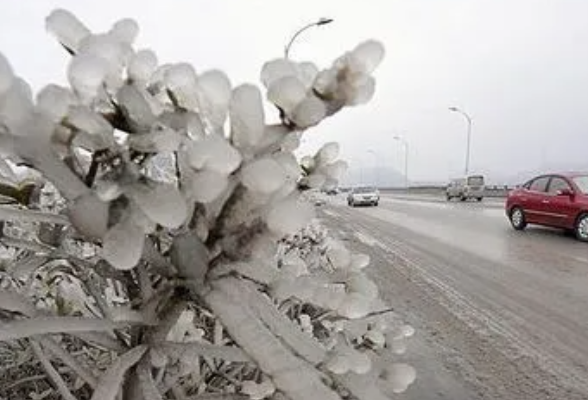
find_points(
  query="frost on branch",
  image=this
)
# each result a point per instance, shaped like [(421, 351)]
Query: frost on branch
[(166, 234)]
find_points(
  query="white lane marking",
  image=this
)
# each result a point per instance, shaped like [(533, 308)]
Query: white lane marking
[(579, 259), (331, 213), (367, 239)]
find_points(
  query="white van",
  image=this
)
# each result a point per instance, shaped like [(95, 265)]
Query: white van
[(470, 187)]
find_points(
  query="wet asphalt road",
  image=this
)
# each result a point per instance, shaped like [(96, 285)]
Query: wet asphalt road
[(500, 314)]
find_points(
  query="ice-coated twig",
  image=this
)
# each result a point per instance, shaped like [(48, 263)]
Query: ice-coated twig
[(47, 325), (111, 381), (77, 366), (290, 374), (15, 214), (196, 349), (51, 372)]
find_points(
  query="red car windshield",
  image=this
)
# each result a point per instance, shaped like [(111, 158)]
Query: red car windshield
[(582, 183)]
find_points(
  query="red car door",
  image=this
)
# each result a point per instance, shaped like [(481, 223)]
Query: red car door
[(561, 210), (536, 200)]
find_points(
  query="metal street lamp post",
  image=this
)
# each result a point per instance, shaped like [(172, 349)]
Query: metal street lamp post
[(377, 174), (469, 119), (320, 22), (405, 144)]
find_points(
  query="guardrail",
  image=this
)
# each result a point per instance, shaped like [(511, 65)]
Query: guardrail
[(490, 191)]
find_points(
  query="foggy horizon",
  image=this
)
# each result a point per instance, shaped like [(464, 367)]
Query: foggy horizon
[(518, 68)]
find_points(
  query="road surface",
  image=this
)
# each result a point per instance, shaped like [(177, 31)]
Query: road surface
[(499, 314)]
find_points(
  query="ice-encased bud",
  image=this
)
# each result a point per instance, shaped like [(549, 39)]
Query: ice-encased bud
[(289, 216), (335, 170), (376, 337), (326, 82), (308, 163), (293, 266), (286, 189), (315, 180), (361, 284), (370, 54), (288, 162), (6, 74), (122, 245), (140, 219), (359, 261), (305, 287), (184, 327), (247, 116), (87, 73), (329, 296), (354, 306), (158, 358), (107, 190), (16, 106), (142, 65), (328, 153), (135, 105), (86, 120), (214, 152), (276, 69), (181, 79), (89, 215), (307, 73), (339, 364), (339, 256), (162, 203), (55, 101), (305, 320), (398, 376), (364, 92), (291, 142), (159, 140), (361, 363), (308, 112), (66, 28), (181, 75), (263, 176), (115, 53), (194, 126), (207, 186), (286, 93), (258, 391), (125, 30), (216, 89)]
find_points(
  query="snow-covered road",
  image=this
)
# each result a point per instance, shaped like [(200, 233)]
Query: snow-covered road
[(499, 314)]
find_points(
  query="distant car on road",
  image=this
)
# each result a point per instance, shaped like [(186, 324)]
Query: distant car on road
[(363, 196), (331, 191), (470, 187), (555, 200)]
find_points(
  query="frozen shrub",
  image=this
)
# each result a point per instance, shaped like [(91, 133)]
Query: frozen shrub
[(168, 253)]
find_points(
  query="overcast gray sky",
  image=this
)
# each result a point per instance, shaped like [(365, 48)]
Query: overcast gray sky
[(518, 67)]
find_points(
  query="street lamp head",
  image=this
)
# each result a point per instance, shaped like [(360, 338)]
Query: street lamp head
[(324, 21), (453, 109), (397, 138)]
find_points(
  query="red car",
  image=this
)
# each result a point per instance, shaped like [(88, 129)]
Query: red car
[(557, 200)]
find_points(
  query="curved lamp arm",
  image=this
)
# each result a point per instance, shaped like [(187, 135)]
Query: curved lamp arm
[(320, 22)]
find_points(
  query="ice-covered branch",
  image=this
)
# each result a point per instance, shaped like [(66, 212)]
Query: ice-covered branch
[(175, 201)]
